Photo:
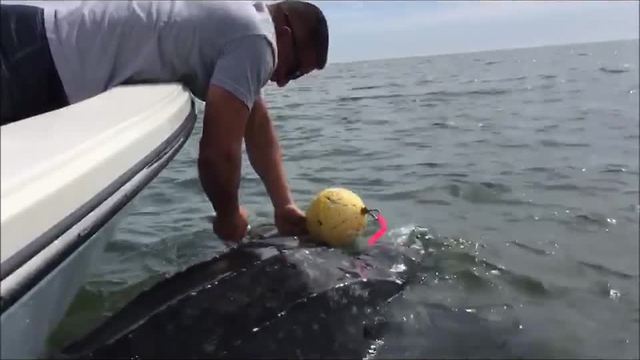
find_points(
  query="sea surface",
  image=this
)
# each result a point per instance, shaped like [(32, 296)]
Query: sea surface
[(518, 168)]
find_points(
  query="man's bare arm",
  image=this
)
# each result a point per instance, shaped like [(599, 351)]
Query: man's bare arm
[(219, 160), (265, 155)]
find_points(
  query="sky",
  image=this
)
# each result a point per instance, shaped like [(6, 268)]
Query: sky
[(363, 30), (373, 29)]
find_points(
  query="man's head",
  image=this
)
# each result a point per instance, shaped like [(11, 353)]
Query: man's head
[(302, 38)]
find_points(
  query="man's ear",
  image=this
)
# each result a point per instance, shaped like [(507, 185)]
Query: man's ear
[(283, 31)]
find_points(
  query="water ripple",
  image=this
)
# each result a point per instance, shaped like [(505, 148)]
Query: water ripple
[(531, 249), (453, 94), (615, 70), (556, 143), (606, 271)]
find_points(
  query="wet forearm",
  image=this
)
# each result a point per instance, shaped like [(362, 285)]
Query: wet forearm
[(220, 155), (220, 178), (265, 155)]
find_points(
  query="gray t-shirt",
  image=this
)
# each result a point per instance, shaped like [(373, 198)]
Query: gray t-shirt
[(100, 44)]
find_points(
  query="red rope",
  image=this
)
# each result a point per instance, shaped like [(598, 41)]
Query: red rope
[(383, 229)]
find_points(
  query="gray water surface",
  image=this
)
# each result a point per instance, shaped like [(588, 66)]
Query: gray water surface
[(518, 168)]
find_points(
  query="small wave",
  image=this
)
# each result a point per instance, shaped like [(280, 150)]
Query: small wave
[(501, 188), (367, 87), (401, 195), (539, 169), (614, 169), (455, 175), (444, 94), (551, 100), (595, 219), (545, 76), (493, 62), (590, 189), (191, 183), (548, 170), (424, 82), (513, 146), (418, 144), (118, 246), (517, 78), (566, 187), (531, 249), (378, 122), (292, 106), (372, 87), (471, 279), (431, 165), (606, 271), (583, 54), (388, 167), (486, 92), (546, 128), (432, 202), (508, 79), (625, 68), (577, 222), (554, 143), (457, 259), (444, 125), (483, 193), (336, 76), (371, 97), (526, 284)]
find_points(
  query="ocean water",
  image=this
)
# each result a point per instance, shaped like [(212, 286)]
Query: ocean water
[(518, 169)]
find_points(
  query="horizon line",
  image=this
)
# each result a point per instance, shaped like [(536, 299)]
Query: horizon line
[(482, 51)]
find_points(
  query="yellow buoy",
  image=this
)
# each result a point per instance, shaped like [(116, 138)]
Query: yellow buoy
[(336, 216)]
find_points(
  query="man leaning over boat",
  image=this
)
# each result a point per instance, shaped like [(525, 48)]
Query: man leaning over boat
[(57, 54)]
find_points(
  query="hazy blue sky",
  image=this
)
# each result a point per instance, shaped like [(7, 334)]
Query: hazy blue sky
[(361, 30), (382, 29)]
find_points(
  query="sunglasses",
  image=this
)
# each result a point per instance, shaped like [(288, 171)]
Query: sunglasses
[(296, 70)]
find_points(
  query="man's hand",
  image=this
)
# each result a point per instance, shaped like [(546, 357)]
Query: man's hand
[(231, 228), (291, 221)]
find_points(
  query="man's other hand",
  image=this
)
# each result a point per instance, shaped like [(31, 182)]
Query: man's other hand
[(233, 227), (291, 221)]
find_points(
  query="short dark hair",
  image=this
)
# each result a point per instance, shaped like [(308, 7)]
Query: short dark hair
[(317, 30)]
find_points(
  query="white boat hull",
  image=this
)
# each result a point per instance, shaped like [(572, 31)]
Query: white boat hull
[(47, 262)]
